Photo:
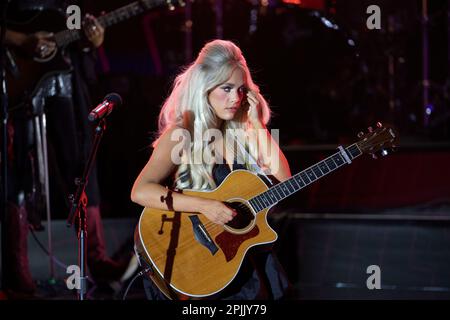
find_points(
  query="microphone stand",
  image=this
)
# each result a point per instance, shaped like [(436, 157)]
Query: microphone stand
[(78, 209)]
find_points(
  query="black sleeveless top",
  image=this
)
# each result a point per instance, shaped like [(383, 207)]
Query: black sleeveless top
[(261, 276)]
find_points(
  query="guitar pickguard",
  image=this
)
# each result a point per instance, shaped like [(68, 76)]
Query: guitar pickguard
[(229, 243)]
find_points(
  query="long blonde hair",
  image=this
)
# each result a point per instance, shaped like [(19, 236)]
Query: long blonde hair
[(188, 107)]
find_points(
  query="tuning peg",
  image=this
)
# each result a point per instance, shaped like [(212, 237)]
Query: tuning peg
[(379, 125), (360, 134), (374, 156), (181, 3), (384, 152), (370, 129)]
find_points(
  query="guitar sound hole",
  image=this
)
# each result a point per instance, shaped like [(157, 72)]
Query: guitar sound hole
[(243, 218)]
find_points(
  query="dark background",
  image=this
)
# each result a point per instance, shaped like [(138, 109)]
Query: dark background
[(322, 90), (327, 77), (324, 84)]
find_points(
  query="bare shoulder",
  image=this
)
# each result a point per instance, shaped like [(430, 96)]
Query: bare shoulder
[(165, 156), (171, 137)]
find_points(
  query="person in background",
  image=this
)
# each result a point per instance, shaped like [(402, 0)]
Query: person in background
[(65, 99)]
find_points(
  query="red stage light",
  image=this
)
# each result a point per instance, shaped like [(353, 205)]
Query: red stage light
[(308, 4)]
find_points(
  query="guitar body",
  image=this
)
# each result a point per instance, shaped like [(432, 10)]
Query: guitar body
[(187, 264), (33, 71), (32, 75), (188, 257)]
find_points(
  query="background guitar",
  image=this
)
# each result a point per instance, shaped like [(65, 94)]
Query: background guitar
[(25, 74)]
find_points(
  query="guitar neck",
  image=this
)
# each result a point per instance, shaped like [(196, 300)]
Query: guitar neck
[(65, 37), (304, 178), (129, 11)]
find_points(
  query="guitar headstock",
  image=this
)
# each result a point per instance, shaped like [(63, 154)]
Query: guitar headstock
[(382, 139)]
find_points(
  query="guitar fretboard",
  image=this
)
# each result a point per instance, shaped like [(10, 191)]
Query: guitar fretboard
[(302, 179), (66, 37)]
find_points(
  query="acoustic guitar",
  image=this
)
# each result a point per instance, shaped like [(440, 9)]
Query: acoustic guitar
[(189, 257), (26, 74)]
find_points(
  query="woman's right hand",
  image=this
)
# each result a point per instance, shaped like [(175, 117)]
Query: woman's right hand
[(216, 211)]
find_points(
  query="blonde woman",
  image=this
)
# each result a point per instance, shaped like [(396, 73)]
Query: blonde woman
[(214, 96)]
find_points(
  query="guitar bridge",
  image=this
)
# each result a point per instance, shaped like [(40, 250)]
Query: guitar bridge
[(202, 235)]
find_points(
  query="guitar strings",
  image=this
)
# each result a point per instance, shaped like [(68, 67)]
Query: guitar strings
[(241, 206)]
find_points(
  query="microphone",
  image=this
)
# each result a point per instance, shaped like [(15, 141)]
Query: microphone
[(111, 101)]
